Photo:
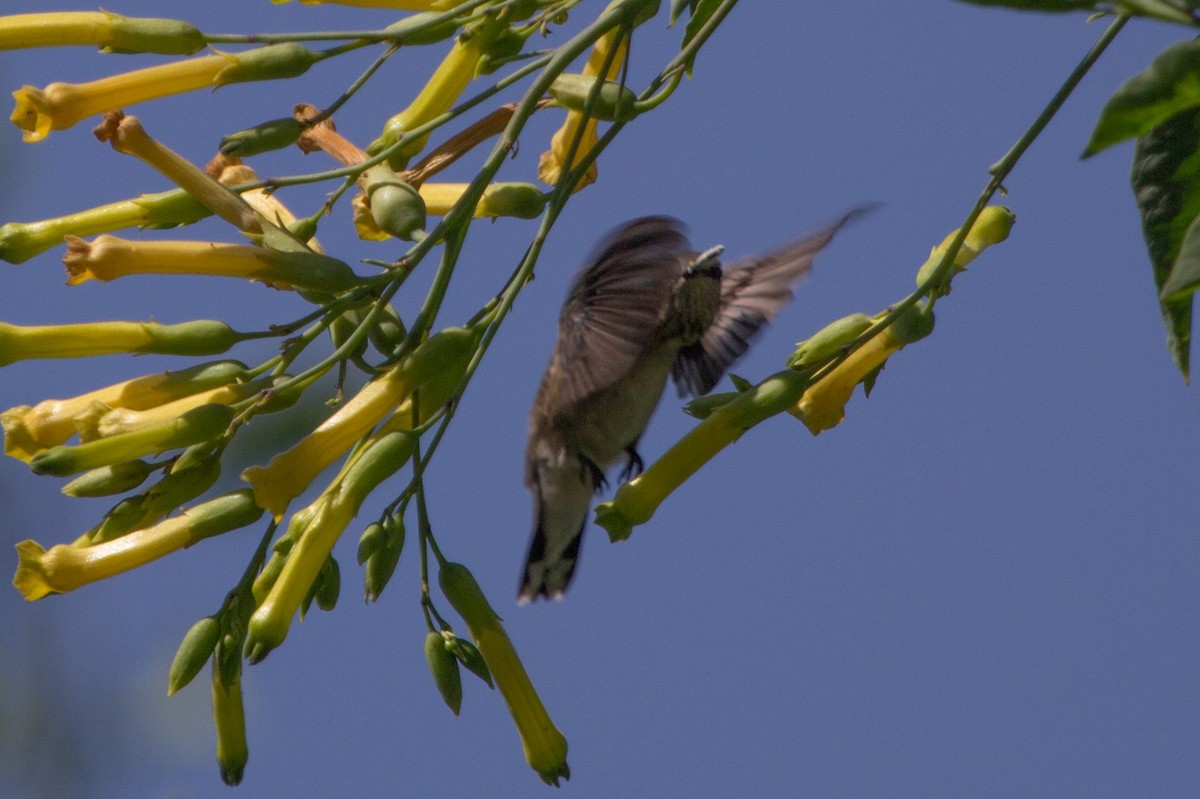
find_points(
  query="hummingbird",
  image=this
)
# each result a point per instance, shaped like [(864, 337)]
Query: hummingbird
[(645, 306)]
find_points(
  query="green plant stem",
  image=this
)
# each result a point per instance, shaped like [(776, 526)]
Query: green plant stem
[(998, 171)]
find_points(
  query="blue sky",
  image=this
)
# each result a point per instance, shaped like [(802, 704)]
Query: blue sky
[(983, 583)]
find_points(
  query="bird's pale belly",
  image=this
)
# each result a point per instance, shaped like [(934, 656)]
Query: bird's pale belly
[(611, 422)]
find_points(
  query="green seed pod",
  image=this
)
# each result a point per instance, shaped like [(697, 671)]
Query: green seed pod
[(828, 340), (195, 650), (469, 655), (108, 480), (444, 668), (614, 102), (274, 134), (396, 207)]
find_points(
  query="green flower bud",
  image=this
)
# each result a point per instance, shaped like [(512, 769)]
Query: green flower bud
[(396, 207), (274, 134), (381, 563), (444, 668), (324, 589), (372, 539), (270, 62), (826, 342), (173, 490), (519, 200), (199, 424), (469, 655), (108, 480), (614, 102), (193, 653)]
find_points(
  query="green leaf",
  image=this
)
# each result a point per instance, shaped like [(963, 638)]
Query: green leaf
[(1166, 185), (1170, 85), (1185, 274), (677, 7), (1038, 5), (1171, 10), (702, 10)]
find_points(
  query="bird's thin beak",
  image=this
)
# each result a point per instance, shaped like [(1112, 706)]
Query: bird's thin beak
[(706, 260)]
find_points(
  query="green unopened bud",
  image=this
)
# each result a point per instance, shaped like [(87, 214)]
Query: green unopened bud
[(826, 342), (444, 668), (370, 541), (273, 61), (381, 563), (469, 655), (613, 102), (229, 719), (109, 480), (274, 134), (195, 650), (519, 200), (505, 48), (991, 227), (325, 588), (396, 207), (200, 424), (173, 490)]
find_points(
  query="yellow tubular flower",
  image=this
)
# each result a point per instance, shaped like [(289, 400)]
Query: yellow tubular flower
[(636, 500), (323, 521), (545, 747), (20, 241), (554, 161), (267, 204), (51, 422), (200, 337), (112, 33), (440, 92), (109, 257), (290, 472), (113, 421), (61, 105), (64, 568)]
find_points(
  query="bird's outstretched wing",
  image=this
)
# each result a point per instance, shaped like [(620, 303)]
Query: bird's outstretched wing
[(614, 302), (752, 292)]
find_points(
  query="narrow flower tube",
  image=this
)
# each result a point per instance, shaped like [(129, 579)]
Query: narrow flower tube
[(440, 92), (20, 241), (636, 501), (109, 257), (64, 568), (126, 135), (199, 424), (326, 519), (87, 339), (553, 162), (289, 473), (545, 747), (28, 430), (229, 721), (114, 421), (112, 33), (62, 105)]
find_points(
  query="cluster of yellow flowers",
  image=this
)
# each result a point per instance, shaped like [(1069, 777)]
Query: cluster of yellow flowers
[(171, 428)]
